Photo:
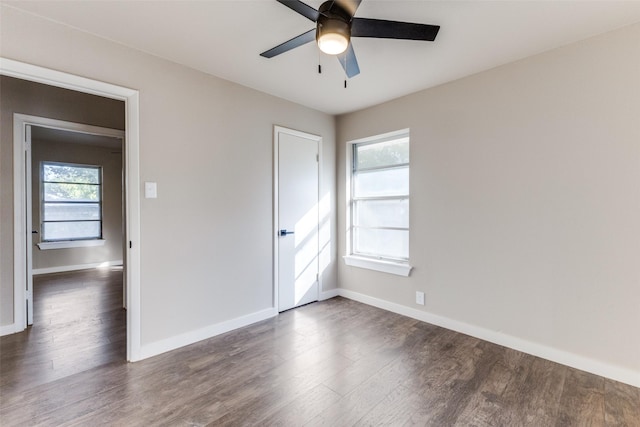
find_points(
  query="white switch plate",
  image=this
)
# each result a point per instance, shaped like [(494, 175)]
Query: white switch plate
[(419, 298), (150, 190)]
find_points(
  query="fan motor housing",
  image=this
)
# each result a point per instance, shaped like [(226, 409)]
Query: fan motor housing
[(333, 19)]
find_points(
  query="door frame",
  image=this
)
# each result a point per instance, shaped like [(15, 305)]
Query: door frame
[(277, 130), (131, 152)]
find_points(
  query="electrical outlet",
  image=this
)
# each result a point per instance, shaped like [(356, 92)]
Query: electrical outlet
[(419, 298)]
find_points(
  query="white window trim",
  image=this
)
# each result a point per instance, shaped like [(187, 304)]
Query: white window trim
[(391, 267), (65, 244), (399, 268), (77, 243)]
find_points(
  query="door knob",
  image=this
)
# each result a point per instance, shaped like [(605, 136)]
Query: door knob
[(284, 232), (34, 231)]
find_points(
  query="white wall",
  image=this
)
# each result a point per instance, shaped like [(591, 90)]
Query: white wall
[(206, 248), (525, 202)]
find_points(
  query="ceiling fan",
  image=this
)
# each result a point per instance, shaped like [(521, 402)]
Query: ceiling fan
[(336, 24)]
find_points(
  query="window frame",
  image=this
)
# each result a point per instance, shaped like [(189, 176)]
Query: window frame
[(82, 241), (398, 266)]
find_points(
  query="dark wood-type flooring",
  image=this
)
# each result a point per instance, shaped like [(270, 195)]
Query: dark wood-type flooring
[(78, 324), (334, 363)]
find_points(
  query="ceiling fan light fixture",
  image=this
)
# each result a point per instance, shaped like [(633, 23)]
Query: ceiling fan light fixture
[(334, 21), (333, 43), (333, 35)]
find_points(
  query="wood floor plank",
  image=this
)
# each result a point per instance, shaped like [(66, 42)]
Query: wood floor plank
[(337, 363), (622, 404), (262, 397), (582, 400), (536, 401), (363, 369), (304, 408), (452, 378), (394, 410), (355, 405), (486, 406)]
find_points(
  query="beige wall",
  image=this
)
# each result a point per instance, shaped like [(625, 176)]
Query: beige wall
[(206, 241), (111, 161), (19, 96), (525, 199)]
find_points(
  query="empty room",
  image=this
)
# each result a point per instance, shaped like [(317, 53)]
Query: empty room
[(350, 212)]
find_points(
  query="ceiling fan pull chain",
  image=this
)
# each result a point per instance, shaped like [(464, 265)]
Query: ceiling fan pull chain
[(346, 59)]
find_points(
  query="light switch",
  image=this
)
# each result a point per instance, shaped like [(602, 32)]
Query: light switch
[(150, 190)]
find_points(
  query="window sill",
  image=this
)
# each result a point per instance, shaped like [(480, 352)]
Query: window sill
[(397, 268), (70, 244)]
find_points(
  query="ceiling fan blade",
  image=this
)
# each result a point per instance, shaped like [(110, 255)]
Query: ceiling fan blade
[(304, 38), (349, 62), (349, 5), (379, 28), (302, 8)]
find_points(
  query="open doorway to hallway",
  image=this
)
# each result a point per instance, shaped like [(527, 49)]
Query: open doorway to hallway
[(77, 310), (13, 224)]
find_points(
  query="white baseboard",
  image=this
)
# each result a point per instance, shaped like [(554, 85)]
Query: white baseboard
[(596, 367), (64, 268), (10, 329), (331, 293), (162, 346)]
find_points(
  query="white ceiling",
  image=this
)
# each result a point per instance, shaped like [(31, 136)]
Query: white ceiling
[(224, 38)]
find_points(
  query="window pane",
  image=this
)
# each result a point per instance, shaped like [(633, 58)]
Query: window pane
[(71, 192), (68, 173), (389, 182), (71, 230), (382, 154), (383, 243), (382, 213), (71, 211)]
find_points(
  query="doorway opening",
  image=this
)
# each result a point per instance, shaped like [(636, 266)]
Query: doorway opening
[(130, 179), (74, 199), (74, 205)]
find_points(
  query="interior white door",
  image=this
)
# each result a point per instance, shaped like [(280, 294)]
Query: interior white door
[(297, 229)]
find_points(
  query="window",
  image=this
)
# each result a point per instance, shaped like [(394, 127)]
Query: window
[(379, 196), (71, 202)]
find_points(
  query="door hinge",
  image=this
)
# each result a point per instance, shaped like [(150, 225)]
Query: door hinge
[(317, 157), (130, 244), (317, 277)]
